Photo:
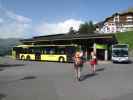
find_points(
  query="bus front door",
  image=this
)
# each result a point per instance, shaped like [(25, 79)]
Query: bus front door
[(38, 56)]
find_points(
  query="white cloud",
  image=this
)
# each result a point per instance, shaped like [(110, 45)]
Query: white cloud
[(13, 25), (18, 18), (95, 22), (14, 30), (56, 28)]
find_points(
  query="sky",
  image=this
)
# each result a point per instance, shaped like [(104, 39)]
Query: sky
[(28, 18)]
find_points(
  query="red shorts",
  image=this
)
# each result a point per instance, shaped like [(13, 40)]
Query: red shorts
[(92, 62)]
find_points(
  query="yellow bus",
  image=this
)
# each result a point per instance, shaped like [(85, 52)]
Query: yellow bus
[(59, 53)]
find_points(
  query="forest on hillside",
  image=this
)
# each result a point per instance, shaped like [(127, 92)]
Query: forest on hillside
[(7, 44)]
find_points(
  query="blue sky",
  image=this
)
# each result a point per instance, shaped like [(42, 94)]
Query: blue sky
[(48, 16)]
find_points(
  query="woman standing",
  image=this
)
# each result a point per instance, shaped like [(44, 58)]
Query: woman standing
[(93, 62)]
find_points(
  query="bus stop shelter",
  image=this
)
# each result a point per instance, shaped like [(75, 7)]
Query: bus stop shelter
[(100, 43)]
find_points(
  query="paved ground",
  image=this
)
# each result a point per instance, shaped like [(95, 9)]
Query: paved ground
[(21, 80)]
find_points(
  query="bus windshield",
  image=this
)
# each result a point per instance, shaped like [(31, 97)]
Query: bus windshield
[(120, 53)]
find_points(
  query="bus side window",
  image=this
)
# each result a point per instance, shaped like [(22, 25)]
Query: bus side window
[(30, 51), (56, 51), (51, 51), (45, 52), (42, 51), (24, 51), (62, 52)]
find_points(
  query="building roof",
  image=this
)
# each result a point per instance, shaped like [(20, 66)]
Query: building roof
[(57, 37), (99, 24), (120, 14)]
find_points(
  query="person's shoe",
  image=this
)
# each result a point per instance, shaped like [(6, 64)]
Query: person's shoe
[(94, 72), (79, 79)]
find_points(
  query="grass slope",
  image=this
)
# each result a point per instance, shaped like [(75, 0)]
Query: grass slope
[(126, 37)]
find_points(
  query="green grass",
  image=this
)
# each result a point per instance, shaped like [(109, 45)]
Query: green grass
[(125, 37)]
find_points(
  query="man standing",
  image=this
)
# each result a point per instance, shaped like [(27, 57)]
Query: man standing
[(78, 64)]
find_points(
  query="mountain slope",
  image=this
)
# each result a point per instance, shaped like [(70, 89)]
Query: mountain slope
[(6, 45)]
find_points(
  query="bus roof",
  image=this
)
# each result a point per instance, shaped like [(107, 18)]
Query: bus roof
[(27, 46), (120, 46), (24, 46)]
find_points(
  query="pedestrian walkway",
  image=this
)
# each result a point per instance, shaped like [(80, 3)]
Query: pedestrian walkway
[(55, 81), (104, 62)]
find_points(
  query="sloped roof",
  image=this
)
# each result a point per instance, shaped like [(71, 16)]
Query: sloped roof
[(121, 14), (68, 37)]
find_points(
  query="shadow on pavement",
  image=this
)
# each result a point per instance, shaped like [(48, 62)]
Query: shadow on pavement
[(1, 69), (28, 78), (11, 65), (2, 96), (84, 77), (100, 69), (130, 62)]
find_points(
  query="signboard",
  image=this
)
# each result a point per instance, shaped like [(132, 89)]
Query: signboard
[(101, 46)]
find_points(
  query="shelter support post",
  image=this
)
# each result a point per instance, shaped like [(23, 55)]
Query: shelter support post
[(106, 55), (94, 48)]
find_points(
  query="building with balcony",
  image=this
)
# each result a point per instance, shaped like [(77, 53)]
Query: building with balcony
[(118, 22)]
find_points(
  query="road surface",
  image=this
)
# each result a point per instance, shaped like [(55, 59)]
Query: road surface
[(30, 80)]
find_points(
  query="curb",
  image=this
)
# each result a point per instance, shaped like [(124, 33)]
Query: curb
[(104, 62)]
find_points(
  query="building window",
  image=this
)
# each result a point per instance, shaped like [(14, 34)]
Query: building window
[(116, 19), (110, 24), (129, 23), (129, 18)]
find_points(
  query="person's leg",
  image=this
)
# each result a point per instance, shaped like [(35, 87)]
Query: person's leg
[(75, 70), (90, 66), (79, 72), (81, 66), (94, 68)]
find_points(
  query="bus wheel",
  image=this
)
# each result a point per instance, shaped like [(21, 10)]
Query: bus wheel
[(22, 57), (61, 59), (28, 58)]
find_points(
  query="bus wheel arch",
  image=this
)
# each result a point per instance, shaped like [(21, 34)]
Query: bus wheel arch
[(61, 59), (22, 57), (28, 57)]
